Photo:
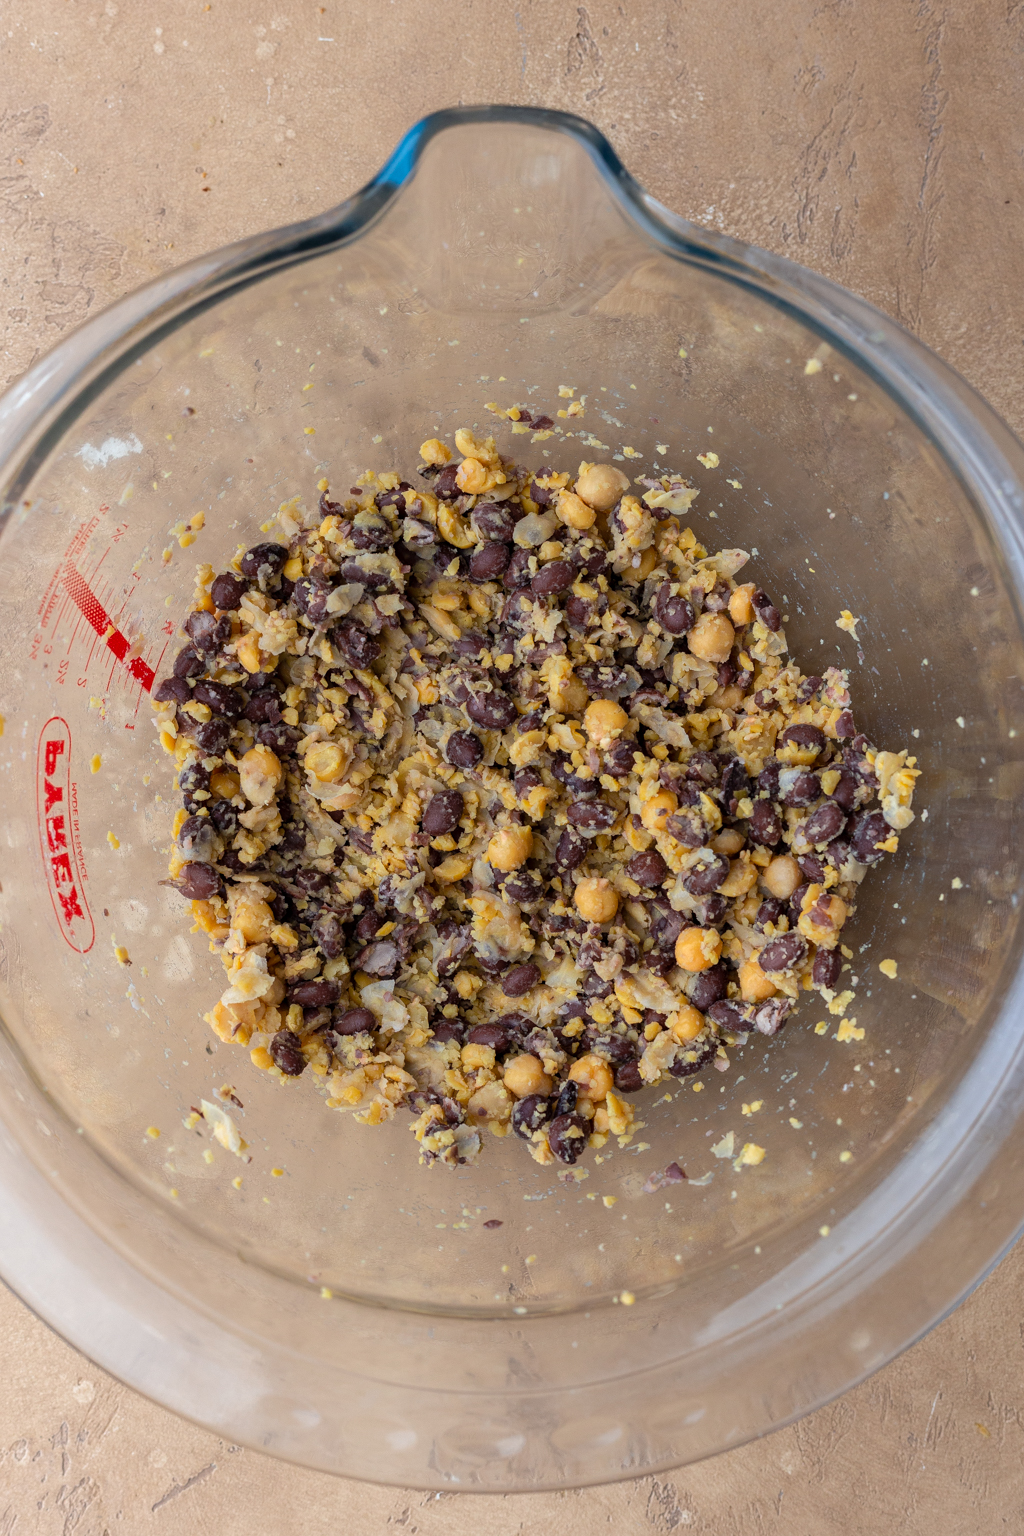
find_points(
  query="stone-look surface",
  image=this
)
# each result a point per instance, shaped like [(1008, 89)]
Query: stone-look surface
[(878, 141)]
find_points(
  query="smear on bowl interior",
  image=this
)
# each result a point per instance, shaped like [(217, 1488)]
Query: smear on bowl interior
[(503, 800)]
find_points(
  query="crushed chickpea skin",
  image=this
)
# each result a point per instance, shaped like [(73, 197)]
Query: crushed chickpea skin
[(503, 800)]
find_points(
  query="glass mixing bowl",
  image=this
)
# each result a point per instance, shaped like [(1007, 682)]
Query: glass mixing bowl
[(355, 1314)]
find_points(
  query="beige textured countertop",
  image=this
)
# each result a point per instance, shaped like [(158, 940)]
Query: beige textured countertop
[(879, 141)]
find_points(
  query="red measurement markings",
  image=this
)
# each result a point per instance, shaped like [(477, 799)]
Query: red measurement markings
[(94, 613), (59, 835)]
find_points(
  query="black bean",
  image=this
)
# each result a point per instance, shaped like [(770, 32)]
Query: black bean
[(309, 597), (710, 986), (627, 1078), (674, 614), (520, 979), (568, 1096), (497, 1035), (494, 710), (867, 829), (583, 789), (446, 484), (312, 881), (263, 560), (592, 816), (286, 1049), (379, 958), (198, 882), (845, 727), (733, 1016), (710, 910), (281, 739), (264, 708), (356, 1021), (491, 520), (618, 760), (555, 577), (647, 869), (541, 494), (193, 777), (393, 498), (807, 689), (187, 663), (220, 698), (228, 590), (845, 792), (526, 780), (359, 648), (579, 611), (224, 817), (784, 953), (767, 780), (702, 769), (443, 813), (517, 572), (374, 533), (666, 928), (173, 690), (824, 824), (329, 933), (770, 910), (766, 611), (765, 824), (570, 850), (770, 1016), (693, 1058), (212, 736), (807, 736), (799, 787), (828, 963), (735, 782), (314, 994), (463, 750), (812, 868), (708, 875), (524, 886), (603, 682), (488, 562), (206, 632), (471, 644), (449, 1029), (529, 1114)]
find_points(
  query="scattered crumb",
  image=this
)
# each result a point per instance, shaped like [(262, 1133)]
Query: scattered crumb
[(821, 1028), (750, 1156), (813, 365), (726, 1147), (224, 1128), (846, 1157), (737, 485), (847, 621), (277, 1173), (797, 1125), (824, 1231), (661, 447), (627, 1298), (96, 762), (152, 1131), (609, 1200), (983, 1431), (961, 722), (888, 968), (326, 1294), (709, 460), (112, 840), (752, 1109), (121, 955), (236, 1182), (848, 1031), (957, 883)]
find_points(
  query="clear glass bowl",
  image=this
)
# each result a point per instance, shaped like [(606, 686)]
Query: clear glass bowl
[(499, 254)]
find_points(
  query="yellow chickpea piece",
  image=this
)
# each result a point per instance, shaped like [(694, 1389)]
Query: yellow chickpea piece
[(596, 900), (782, 876), (510, 847), (755, 986), (728, 841), (574, 512), (822, 919), (433, 451), (635, 573), (325, 761), (604, 720), (472, 478), (601, 486), (260, 772), (476, 1056), (697, 949), (742, 877), (711, 638), (524, 1075), (656, 811), (593, 1075), (687, 1023), (741, 609)]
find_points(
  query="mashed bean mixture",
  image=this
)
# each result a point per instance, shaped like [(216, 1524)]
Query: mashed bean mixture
[(503, 800)]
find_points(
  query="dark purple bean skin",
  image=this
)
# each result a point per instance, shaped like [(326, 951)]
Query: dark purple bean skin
[(529, 1114), (866, 829), (826, 968), (804, 789), (674, 614), (488, 563), (824, 825), (491, 520), (463, 750), (553, 578), (314, 994), (770, 910), (444, 813), (805, 736), (517, 572), (627, 1078), (220, 698), (570, 851), (702, 1054), (359, 648), (212, 736), (329, 932), (768, 779), (173, 690), (845, 727), (808, 688), (765, 824), (579, 611), (766, 611), (198, 882), (783, 953), (592, 816), (520, 979), (710, 986), (708, 876), (567, 1148), (206, 632), (647, 869), (228, 590), (265, 559), (187, 663), (379, 958), (845, 792), (286, 1049), (445, 484), (494, 710), (356, 1021), (498, 1036), (264, 708), (618, 760)]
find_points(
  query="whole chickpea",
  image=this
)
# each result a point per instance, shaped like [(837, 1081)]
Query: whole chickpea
[(603, 720), (782, 876), (697, 949), (601, 486), (687, 1023), (712, 637), (729, 841), (593, 1075), (755, 986), (524, 1075), (655, 812), (574, 511), (596, 900), (510, 847), (742, 877), (741, 609)]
